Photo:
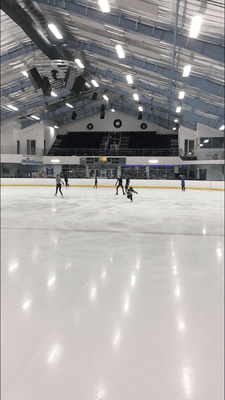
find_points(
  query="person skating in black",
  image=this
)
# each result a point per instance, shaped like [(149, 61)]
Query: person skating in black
[(129, 193), (96, 183), (66, 180), (127, 183), (119, 184)]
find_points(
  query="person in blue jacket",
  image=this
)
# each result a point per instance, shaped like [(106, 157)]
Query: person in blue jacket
[(182, 182)]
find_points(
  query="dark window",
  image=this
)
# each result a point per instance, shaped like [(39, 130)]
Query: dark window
[(205, 143), (218, 143)]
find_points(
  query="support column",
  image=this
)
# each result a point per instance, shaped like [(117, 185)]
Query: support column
[(147, 171)]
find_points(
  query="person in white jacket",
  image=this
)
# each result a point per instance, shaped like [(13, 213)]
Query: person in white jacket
[(58, 185)]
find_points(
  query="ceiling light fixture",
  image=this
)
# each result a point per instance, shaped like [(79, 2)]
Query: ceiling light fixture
[(94, 83), (181, 95), (79, 63), (55, 126), (140, 108), (153, 161), (222, 128), (195, 26), (129, 79), (186, 71), (53, 94), (135, 96), (120, 51), (176, 120), (206, 140), (55, 31), (12, 107), (178, 109), (34, 117), (69, 105), (18, 66), (104, 5), (56, 161), (105, 97), (112, 109), (24, 73), (174, 128)]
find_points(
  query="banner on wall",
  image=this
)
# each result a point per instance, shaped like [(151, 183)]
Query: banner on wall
[(31, 162)]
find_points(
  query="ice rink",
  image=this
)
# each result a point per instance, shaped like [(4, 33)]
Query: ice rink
[(105, 299)]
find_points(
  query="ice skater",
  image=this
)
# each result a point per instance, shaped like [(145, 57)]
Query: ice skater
[(96, 183), (66, 180), (58, 185), (127, 183), (182, 182), (129, 193), (119, 184)]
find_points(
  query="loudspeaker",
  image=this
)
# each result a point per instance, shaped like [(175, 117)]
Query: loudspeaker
[(102, 108), (35, 78), (74, 115), (102, 115), (78, 84), (70, 77), (139, 115), (46, 87), (94, 96)]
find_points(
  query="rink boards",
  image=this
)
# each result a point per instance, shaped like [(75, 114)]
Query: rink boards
[(110, 183)]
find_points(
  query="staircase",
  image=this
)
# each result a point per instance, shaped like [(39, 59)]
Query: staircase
[(124, 143), (104, 143), (174, 145), (54, 149)]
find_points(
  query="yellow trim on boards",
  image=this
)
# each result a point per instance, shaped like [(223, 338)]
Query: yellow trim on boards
[(136, 187)]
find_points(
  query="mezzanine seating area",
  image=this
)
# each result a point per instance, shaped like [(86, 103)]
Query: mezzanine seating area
[(115, 144)]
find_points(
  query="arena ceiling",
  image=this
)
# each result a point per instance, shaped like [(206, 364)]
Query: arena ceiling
[(155, 37)]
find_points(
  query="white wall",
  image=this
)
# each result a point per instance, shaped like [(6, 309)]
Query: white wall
[(11, 132), (129, 123), (8, 135), (111, 183), (186, 133), (202, 131), (33, 132), (50, 133)]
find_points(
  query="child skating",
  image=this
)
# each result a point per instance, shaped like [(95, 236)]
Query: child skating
[(130, 192)]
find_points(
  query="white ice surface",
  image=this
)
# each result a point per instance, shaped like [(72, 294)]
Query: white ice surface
[(104, 299)]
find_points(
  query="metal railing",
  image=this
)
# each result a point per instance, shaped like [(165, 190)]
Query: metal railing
[(115, 153), (21, 150)]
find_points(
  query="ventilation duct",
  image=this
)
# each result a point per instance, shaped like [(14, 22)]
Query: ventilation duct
[(21, 18)]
